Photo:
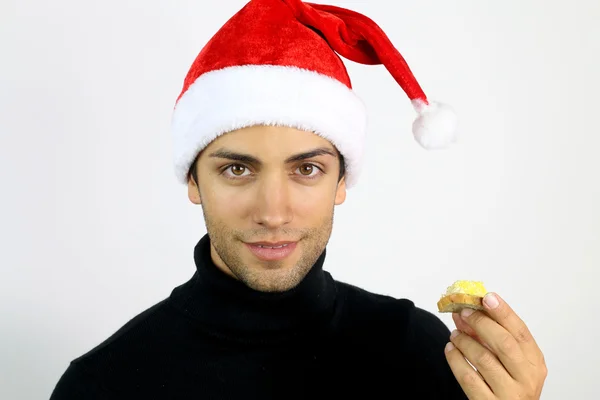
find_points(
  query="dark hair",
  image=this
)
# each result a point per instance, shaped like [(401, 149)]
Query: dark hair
[(192, 173)]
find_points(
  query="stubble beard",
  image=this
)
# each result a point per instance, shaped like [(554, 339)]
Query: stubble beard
[(228, 244)]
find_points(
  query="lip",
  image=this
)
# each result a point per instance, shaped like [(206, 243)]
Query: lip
[(272, 244), (272, 254)]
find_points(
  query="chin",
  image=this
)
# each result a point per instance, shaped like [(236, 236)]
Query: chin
[(276, 275), (278, 279)]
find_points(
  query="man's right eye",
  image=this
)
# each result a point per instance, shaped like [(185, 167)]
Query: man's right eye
[(235, 170), (238, 169)]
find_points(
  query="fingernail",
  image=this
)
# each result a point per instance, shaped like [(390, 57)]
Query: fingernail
[(449, 347), (454, 334), (466, 312), (491, 301)]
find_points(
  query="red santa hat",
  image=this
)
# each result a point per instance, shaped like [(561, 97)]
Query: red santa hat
[(276, 62)]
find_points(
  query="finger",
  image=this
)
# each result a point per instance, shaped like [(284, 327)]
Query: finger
[(486, 363), (501, 342), (462, 326), (502, 313), (469, 380)]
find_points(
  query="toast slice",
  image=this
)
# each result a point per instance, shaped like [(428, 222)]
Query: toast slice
[(462, 294), (455, 302)]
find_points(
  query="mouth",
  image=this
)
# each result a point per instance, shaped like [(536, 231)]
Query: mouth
[(271, 245), (272, 251)]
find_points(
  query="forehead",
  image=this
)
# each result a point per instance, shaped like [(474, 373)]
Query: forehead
[(269, 140)]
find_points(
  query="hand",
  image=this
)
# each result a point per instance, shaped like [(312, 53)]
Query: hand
[(508, 362)]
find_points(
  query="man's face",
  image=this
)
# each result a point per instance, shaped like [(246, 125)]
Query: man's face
[(262, 188)]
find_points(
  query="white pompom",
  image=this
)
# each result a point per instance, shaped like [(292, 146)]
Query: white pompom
[(436, 126)]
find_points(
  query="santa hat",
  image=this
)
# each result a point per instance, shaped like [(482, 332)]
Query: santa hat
[(275, 62)]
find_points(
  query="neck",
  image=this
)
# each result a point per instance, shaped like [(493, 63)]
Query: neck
[(227, 306)]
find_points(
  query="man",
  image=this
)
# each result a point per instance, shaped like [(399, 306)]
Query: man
[(268, 136)]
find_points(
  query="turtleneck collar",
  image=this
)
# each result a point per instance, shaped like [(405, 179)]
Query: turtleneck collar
[(225, 306)]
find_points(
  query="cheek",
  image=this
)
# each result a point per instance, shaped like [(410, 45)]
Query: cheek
[(312, 205), (228, 202)]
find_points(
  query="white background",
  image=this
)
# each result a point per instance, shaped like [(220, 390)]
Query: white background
[(94, 227)]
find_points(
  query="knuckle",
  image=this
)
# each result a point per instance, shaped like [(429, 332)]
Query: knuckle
[(459, 340), (486, 360), (507, 345), (501, 312), (476, 318), (544, 371), (529, 390), (504, 313), (470, 379), (522, 335)]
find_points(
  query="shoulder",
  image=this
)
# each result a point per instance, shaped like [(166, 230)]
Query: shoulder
[(404, 339), (88, 374), (137, 331), (388, 312)]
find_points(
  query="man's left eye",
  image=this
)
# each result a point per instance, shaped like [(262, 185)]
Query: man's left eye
[(308, 170)]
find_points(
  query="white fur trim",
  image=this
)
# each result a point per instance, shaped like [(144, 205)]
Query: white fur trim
[(235, 97), (436, 125)]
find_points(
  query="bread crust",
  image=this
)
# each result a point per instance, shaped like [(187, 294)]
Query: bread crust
[(457, 301)]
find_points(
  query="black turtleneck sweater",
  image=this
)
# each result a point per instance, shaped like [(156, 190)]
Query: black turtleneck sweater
[(215, 338)]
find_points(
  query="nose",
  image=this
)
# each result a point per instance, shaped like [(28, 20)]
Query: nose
[(273, 208)]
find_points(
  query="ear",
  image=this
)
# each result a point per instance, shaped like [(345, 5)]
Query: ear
[(340, 193), (194, 191)]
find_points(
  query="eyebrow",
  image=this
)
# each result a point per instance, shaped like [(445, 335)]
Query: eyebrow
[(246, 158)]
